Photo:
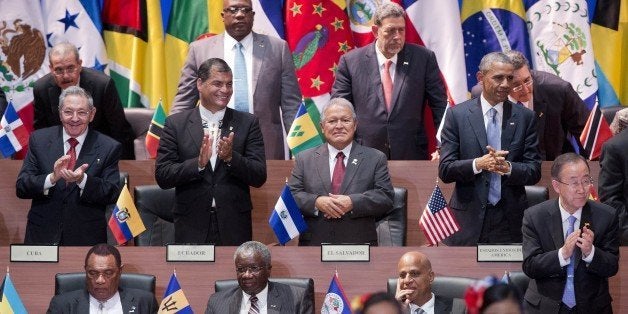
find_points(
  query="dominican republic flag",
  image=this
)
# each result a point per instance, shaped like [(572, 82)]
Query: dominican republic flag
[(13, 135), (286, 219)]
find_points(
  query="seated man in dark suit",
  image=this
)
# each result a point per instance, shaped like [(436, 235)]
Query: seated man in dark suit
[(570, 245), (254, 291), (341, 186), (66, 70), (414, 287), (103, 267), (71, 174)]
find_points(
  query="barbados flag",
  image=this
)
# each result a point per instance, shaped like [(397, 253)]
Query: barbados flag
[(174, 300), (9, 299), (125, 222), (304, 132), (286, 219)]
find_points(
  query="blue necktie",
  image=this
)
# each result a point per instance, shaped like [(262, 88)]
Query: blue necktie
[(569, 296), (240, 85), (493, 138)]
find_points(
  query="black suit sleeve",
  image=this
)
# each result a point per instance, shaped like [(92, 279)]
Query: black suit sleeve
[(435, 90), (342, 83), (250, 165)]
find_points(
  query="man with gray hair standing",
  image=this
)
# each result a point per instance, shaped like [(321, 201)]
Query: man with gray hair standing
[(255, 293), (71, 174)]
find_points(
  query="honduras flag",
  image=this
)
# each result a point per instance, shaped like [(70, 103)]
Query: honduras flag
[(335, 299), (286, 220)]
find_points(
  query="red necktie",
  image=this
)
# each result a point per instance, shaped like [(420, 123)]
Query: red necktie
[(72, 152), (339, 173), (387, 84)]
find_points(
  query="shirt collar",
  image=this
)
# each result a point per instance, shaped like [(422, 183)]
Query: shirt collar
[(564, 215), (333, 151), (247, 42), (80, 138), (208, 116), (381, 59), (262, 296), (425, 307), (486, 106)]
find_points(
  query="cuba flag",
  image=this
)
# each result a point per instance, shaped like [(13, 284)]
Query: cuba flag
[(335, 300), (125, 222), (286, 219)]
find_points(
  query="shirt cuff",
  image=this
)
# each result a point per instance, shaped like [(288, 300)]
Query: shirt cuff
[(563, 262), (475, 168), (509, 169), (589, 258), (83, 182), (48, 184)]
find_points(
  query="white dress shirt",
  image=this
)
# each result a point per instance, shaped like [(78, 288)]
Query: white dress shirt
[(564, 216), (381, 61), (332, 157), (111, 306), (428, 307), (262, 302)]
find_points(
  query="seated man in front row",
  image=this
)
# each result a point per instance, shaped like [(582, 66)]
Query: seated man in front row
[(103, 267), (255, 293), (414, 287), (341, 186)]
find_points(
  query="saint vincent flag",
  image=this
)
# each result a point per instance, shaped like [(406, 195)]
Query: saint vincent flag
[(174, 300), (304, 132), (10, 301), (154, 130), (125, 222)]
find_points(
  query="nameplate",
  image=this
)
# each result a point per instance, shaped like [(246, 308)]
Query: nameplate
[(34, 253), (345, 253), (190, 253), (500, 253)]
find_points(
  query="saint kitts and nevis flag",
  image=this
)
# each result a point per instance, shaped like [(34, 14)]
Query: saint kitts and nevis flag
[(154, 130), (10, 301), (125, 221), (174, 300)]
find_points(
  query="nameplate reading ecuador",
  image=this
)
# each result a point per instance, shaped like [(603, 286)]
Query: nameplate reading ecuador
[(34, 253), (345, 253), (190, 253), (500, 253)]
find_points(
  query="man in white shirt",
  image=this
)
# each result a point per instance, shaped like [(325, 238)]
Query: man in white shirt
[(570, 245), (103, 267)]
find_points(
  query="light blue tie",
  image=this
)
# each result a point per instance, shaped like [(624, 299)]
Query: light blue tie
[(569, 296), (241, 87), (493, 138)]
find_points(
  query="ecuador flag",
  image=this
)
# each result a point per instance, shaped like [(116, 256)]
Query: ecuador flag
[(125, 222)]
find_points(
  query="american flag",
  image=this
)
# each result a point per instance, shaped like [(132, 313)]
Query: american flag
[(437, 221)]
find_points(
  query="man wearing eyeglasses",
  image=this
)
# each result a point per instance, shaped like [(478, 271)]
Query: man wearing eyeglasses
[(255, 293), (570, 245), (103, 294), (66, 70), (560, 112), (264, 78), (71, 174)]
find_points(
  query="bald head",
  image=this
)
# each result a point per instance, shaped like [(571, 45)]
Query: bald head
[(415, 258), (415, 278)]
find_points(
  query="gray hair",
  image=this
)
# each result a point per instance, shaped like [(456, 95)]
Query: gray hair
[(341, 102), (62, 49), (251, 248), (620, 122), (386, 10), (75, 90), (487, 61), (517, 58)]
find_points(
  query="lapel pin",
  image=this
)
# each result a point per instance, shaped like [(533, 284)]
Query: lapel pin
[(98, 160), (405, 63), (354, 161), (540, 114), (512, 123), (230, 128)]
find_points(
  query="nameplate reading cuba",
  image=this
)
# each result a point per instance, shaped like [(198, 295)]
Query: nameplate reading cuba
[(500, 253), (34, 253), (190, 253), (345, 253)]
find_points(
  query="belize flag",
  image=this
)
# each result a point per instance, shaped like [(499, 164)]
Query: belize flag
[(335, 299)]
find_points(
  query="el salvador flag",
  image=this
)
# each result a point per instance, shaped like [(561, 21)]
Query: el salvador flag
[(286, 220)]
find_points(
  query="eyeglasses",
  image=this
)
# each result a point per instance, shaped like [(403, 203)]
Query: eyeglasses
[(343, 121), (235, 10), (519, 87), (81, 113), (585, 183), (251, 269), (107, 274), (69, 70)]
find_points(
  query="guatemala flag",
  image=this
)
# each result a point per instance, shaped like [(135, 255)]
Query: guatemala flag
[(335, 299), (286, 219)]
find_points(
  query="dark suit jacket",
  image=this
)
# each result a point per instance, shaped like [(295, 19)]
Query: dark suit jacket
[(66, 216), (464, 139), (558, 110), (275, 85), (543, 236), (366, 182), (613, 186), (133, 301), (177, 167), (281, 299), (400, 134), (109, 118)]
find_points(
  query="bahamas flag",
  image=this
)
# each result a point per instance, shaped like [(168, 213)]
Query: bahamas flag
[(174, 300), (304, 132), (10, 301), (286, 219), (125, 222), (154, 130), (492, 25), (335, 300)]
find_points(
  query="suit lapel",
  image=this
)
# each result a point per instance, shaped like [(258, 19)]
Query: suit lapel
[(539, 104), (195, 128), (273, 299), (128, 302), (259, 49), (401, 71), (353, 164), (88, 150), (476, 120), (509, 124), (556, 225), (81, 305), (321, 161), (372, 70), (585, 217), (229, 124), (236, 302)]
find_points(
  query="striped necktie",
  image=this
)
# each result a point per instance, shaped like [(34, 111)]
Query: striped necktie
[(254, 309)]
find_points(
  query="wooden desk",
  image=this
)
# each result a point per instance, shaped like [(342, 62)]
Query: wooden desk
[(35, 282), (417, 176)]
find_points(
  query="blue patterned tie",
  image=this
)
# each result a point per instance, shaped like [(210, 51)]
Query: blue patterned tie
[(493, 138), (569, 296), (240, 85)]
